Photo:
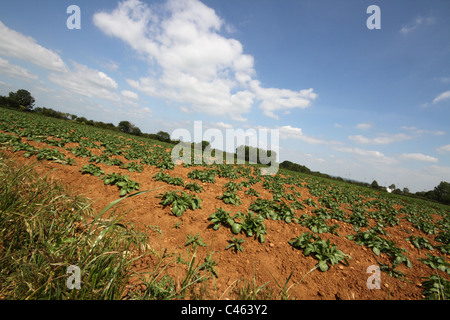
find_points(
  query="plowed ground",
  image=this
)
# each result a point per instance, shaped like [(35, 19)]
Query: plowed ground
[(270, 262)]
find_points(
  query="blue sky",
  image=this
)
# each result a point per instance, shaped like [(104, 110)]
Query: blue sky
[(348, 101)]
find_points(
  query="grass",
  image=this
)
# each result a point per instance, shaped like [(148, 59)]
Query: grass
[(44, 229)]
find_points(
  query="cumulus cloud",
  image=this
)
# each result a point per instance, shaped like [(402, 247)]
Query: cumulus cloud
[(87, 82), (443, 96), (361, 152), (364, 126), (193, 64), (385, 139), (282, 99), (129, 94), (371, 156), (15, 71), (16, 45), (444, 149), (417, 157), (290, 132), (418, 132)]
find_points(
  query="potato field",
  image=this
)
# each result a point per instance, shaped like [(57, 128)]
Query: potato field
[(219, 231)]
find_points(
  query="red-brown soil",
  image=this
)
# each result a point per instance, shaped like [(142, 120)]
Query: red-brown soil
[(275, 258)]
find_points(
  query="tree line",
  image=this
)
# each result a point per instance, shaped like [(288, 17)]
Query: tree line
[(24, 101)]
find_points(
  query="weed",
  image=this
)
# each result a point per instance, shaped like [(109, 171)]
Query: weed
[(235, 244), (195, 241)]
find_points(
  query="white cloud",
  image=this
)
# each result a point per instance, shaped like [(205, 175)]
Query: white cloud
[(443, 96), (290, 132), (419, 132), (223, 125), (371, 156), (419, 21), (361, 152), (87, 82), (194, 65), (15, 44), (444, 149), (15, 71), (129, 94), (385, 139), (273, 99), (139, 113), (364, 126), (417, 157)]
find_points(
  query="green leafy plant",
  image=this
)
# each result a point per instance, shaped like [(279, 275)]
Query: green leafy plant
[(297, 205), (92, 169), (161, 176), (235, 244), (221, 217), (391, 271), (273, 210), (209, 265), (230, 197), (253, 225), (317, 224), (124, 183), (252, 192), (420, 242), (194, 187), (371, 239), (325, 252), (133, 167), (180, 201), (358, 218), (310, 202), (203, 175), (53, 155), (81, 152), (195, 241), (436, 288), (436, 262), (232, 186)]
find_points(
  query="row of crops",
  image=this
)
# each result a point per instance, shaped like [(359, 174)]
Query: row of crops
[(324, 210)]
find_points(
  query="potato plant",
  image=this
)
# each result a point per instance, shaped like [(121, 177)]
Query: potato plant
[(194, 187), (325, 252), (180, 201), (123, 182), (230, 197), (253, 225), (176, 181), (92, 169)]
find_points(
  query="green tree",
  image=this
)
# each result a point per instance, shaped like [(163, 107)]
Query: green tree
[(442, 192), (22, 98), (4, 101), (374, 184), (128, 127), (163, 136), (124, 126)]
